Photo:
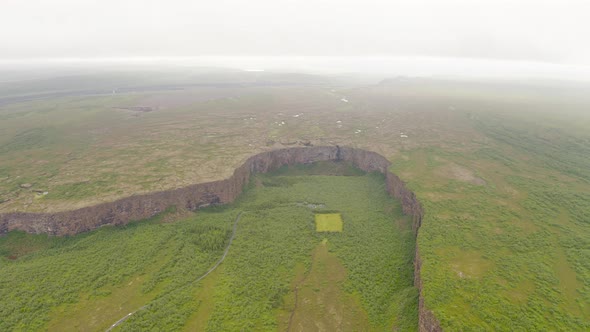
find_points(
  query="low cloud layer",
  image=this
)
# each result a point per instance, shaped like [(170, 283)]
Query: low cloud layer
[(531, 30)]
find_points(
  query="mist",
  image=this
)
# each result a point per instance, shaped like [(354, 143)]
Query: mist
[(464, 38)]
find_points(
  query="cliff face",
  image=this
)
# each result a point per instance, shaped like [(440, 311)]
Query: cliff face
[(193, 197)]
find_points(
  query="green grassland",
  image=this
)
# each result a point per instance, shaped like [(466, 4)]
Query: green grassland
[(506, 235), (85, 281), (362, 277), (502, 169)]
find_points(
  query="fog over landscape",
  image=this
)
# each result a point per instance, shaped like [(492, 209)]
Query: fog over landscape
[(530, 38)]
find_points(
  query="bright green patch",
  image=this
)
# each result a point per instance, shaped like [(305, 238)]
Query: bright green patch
[(328, 222)]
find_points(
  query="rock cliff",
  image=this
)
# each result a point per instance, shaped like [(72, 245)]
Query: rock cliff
[(193, 197)]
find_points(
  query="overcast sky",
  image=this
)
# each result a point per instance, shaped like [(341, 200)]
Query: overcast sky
[(556, 31)]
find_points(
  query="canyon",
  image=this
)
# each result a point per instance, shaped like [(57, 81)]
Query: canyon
[(193, 197)]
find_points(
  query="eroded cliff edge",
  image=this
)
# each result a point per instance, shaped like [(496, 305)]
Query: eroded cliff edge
[(193, 197)]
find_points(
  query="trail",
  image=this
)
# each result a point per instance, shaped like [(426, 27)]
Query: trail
[(296, 291), (117, 323)]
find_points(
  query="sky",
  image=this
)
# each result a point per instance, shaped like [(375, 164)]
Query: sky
[(538, 31)]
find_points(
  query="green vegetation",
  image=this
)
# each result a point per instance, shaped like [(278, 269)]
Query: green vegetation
[(328, 222), (342, 168), (320, 299), (91, 280), (502, 169), (510, 254), (276, 235)]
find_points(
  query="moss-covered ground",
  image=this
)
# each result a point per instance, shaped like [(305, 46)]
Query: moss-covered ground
[(277, 271)]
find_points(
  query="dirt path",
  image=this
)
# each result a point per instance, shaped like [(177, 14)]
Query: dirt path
[(117, 323), (296, 291), (321, 304)]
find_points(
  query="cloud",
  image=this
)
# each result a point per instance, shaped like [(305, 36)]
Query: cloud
[(534, 30)]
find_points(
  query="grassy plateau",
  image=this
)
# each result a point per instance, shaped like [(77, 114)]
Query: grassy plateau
[(502, 169)]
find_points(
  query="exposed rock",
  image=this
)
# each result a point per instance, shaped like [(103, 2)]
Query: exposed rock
[(144, 109), (305, 143), (287, 142)]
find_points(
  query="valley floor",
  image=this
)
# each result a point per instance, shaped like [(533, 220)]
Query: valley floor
[(279, 274)]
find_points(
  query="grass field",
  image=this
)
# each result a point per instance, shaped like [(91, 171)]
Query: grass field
[(277, 263), (501, 168), (328, 222), (505, 237)]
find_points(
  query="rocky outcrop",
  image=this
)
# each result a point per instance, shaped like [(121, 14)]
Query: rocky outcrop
[(193, 197), (410, 204)]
